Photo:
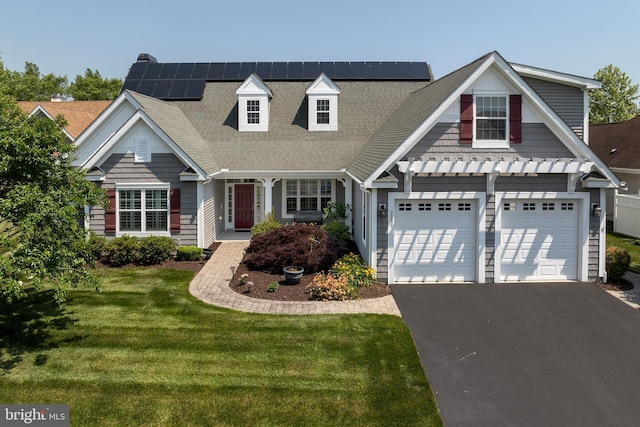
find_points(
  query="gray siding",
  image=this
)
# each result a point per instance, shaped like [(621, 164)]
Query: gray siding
[(444, 141), (164, 168), (565, 100)]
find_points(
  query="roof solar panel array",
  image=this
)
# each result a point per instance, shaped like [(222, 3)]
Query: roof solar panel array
[(186, 81)]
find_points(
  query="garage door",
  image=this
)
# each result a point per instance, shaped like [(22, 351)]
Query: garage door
[(539, 240), (434, 241)]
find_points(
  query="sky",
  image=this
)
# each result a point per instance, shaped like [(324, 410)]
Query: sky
[(66, 37)]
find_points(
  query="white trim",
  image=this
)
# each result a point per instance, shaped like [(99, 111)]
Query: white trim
[(602, 236), (481, 201), (510, 166), (284, 213), (142, 187), (322, 88), (200, 213), (583, 226), (555, 76), (550, 118), (107, 147), (490, 143), (39, 108)]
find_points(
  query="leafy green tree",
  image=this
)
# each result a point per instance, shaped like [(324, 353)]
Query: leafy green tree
[(616, 100), (92, 86), (43, 196), (31, 85)]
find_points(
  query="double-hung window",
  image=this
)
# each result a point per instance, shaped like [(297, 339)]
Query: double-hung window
[(143, 210), (491, 118), (306, 195), (253, 111), (322, 111)]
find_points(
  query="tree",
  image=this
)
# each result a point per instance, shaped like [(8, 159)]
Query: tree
[(43, 196), (93, 87), (31, 85), (616, 100)]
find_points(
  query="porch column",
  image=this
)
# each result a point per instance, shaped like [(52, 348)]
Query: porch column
[(267, 184), (348, 198)]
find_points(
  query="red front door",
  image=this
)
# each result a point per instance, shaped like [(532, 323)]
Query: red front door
[(243, 205)]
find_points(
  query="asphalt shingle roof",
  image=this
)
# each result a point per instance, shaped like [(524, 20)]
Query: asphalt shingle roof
[(78, 114), (617, 144)]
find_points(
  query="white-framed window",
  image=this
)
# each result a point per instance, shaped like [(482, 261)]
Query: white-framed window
[(322, 111), (323, 104), (306, 195), (253, 111), (143, 210), (491, 118)]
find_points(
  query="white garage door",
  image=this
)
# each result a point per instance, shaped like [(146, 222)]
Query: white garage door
[(434, 241), (539, 240)]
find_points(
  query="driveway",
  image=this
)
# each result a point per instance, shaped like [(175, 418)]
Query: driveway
[(552, 354)]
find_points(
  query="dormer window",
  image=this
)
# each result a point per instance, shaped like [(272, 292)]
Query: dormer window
[(323, 104), (490, 120), (253, 111), (253, 105)]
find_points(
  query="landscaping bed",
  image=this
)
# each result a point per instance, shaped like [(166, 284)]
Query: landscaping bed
[(285, 292)]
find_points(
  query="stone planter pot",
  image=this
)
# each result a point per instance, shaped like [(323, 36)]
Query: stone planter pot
[(293, 274), (206, 253)]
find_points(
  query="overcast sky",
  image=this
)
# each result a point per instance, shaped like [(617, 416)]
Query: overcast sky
[(66, 37)]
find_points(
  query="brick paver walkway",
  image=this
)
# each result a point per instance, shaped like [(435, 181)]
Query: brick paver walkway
[(211, 285)]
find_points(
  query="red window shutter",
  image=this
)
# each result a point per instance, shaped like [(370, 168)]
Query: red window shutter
[(174, 218), (110, 212), (466, 119), (515, 119)]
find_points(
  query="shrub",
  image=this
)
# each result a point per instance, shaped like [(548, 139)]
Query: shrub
[(122, 250), (266, 226), (304, 245), (273, 286), (328, 287), (617, 263), (156, 249), (354, 269), (97, 245), (189, 253), (339, 230)]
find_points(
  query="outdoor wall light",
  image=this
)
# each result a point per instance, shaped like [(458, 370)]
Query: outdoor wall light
[(596, 210), (382, 210)]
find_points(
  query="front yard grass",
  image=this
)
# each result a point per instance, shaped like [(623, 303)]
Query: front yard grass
[(627, 243), (145, 352)]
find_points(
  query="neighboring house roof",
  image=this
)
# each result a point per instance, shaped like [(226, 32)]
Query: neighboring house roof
[(78, 114), (617, 144)]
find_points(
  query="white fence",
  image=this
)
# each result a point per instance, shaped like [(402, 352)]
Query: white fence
[(626, 219)]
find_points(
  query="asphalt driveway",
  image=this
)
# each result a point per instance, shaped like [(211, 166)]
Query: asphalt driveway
[(552, 354)]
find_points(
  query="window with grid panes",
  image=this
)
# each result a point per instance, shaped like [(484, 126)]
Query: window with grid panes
[(322, 111), (491, 118), (253, 111), (148, 204), (307, 194)]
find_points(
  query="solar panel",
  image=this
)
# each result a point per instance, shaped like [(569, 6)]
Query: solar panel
[(168, 71), (294, 71), (375, 71), (231, 71), (178, 89), (163, 87), (358, 70), (137, 70), (390, 70), (131, 85), (146, 87), (195, 89), (263, 69), (329, 68), (200, 71), (279, 71), (184, 71), (153, 71), (343, 71), (246, 68), (311, 70)]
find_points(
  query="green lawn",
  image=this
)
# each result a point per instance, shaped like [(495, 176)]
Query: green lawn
[(627, 243), (144, 352)]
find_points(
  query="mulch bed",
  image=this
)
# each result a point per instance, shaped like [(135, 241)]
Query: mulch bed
[(261, 280), (622, 285)]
